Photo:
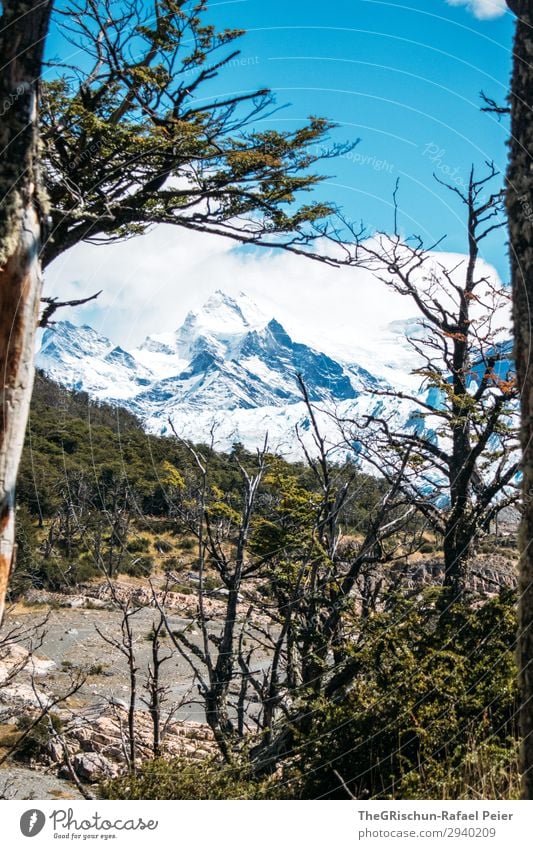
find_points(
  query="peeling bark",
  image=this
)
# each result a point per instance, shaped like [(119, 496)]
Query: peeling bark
[(23, 28), (520, 211)]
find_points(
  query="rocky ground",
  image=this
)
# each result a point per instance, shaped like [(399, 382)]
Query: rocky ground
[(93, 720), (24, 782), (488, 573), (74, 645), (90, 738)]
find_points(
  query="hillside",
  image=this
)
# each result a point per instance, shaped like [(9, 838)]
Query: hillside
[(96, 490)]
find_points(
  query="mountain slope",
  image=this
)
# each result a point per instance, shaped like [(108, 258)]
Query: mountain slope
[(227, 363)]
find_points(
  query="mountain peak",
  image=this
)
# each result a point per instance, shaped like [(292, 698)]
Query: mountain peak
[(219, 326), (227, 315), (72, 338), (226, 357)]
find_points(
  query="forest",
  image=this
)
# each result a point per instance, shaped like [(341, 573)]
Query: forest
[(179, 621), (330, 665)]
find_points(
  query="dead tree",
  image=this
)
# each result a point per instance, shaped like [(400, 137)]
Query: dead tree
[(126, 645), (318, 597), (458, 451), (277, 544), (157, 691), (223, 535)]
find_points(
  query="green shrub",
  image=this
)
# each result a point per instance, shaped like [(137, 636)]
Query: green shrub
[(139, 544), (27, 560), (212, 582), (182, 779), (33, 746), (431, 713), (138, 567), (96, 669), (163, 633), (176, 564), (53, 574), (84, 570)]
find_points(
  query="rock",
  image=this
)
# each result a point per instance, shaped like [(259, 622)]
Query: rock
[(83, 735), (77, 601), (54, 750), (21, 782), (222, 593), (18, 695), (16, 657), (92, 767)]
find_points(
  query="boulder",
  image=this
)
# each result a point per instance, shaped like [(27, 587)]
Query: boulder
[(54, 750), (13, 656), (92, 767)]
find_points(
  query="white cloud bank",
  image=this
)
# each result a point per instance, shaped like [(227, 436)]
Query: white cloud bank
[(483, 9), (151, 282)]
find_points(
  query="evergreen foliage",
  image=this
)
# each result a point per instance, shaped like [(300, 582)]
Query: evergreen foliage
[(432, 714)]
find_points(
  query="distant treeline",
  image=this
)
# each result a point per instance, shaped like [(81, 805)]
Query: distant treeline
[(94, 486)]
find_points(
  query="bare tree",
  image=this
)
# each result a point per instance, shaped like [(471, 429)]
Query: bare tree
[(126, 645), (157, 691), (321, 589), (458, 451), (278, 545), (223, 536)]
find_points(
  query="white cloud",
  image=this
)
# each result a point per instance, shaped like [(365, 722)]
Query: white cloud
[(151, 282), (483, 9)]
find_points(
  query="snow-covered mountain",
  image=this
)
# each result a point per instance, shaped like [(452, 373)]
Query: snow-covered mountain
[(228, 365)]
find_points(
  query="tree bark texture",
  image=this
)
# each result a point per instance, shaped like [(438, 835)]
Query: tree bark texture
[(23, 27), (520, 211)]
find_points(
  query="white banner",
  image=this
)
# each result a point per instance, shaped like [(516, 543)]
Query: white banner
[(263, 825)]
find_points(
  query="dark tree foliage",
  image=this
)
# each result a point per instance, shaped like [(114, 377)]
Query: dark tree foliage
[(520, 212), (140, 136)]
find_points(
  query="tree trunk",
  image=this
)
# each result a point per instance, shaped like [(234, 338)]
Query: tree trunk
[(520, 211), (23, 28), (457, 547), (217, 713)]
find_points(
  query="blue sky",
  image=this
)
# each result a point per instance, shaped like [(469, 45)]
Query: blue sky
[(405, 77)]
